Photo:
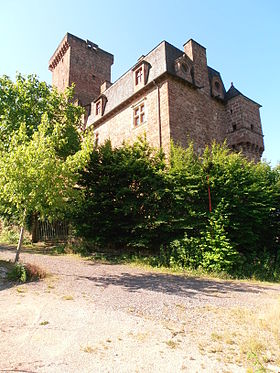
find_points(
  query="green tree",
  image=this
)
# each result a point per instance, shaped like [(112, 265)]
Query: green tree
[(27, 100), (126, 199), (251, 192), (34, 178)]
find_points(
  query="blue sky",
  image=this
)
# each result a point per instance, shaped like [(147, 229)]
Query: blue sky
[(242, 40)]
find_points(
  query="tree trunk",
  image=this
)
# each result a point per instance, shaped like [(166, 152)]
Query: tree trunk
[(35, 228), (19, 244)]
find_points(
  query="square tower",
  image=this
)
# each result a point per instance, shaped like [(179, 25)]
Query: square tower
[(83, 63)]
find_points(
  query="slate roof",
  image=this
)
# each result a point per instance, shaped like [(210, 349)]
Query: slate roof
[(212, 72), (233, 92)]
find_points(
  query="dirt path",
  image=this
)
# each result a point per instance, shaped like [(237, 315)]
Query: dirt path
[(92, 317)]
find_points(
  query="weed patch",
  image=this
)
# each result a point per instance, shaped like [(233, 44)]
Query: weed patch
[(25, 272), (67, 297)]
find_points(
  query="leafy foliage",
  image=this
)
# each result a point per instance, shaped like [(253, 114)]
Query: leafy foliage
[(124, 194), (33, 178), (40, 151), (26, 272), (27, 100), (132, 198), (18, 273)]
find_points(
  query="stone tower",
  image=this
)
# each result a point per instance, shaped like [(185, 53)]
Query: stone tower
[(244, 130), (83, 63)]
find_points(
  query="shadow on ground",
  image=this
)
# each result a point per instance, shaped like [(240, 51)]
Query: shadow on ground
[(182, 286), (137, 280)]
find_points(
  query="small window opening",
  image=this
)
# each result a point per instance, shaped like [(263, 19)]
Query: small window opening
[(138, 76), (139, 115), (184, 68), (217, 86), (234, 127), (252, 127), (98, 108)]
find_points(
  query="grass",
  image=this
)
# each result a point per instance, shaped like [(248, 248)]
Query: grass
[(10, 234), (20, 272), (88, 349), (67, 297), (21, 290), (44, 323), (249, 338), (172, 344), (125, 256)]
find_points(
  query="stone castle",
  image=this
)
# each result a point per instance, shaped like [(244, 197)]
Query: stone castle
[(169, 94)]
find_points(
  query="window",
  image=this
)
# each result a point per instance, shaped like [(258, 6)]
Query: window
[(234, 127), (184, 68), (139, 115), (98, 108), (217, 86), (139, 76)]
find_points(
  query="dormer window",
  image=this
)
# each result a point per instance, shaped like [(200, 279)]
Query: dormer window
[(99, 105), (139, 76), (98, 108), (217, 89)]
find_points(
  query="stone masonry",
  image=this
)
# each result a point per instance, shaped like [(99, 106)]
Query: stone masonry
[(169, 94)]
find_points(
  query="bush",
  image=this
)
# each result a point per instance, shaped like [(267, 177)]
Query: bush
[(217, 253), (133, 199), (180, 253), (26, 272), (10, 234), (18, 273)]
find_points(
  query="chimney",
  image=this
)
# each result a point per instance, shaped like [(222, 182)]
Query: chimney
[(105, 85), (197, 53)]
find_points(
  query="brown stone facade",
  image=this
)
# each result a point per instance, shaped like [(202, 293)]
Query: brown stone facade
[(169, 94)]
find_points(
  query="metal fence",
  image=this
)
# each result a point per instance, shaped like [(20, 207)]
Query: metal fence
[(55, 231)]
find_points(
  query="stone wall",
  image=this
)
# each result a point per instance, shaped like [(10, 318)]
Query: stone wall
[(244, 131), (194, 116), (119, 126)]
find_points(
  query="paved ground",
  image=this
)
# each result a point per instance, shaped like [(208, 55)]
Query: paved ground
[(92, 317)]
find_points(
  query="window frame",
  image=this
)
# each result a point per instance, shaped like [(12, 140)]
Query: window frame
[(98, 107), (139, 114), (139, 76)]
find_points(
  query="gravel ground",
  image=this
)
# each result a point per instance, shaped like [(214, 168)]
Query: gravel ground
[(92, 317)]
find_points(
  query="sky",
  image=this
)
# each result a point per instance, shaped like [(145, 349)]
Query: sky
[(242, 39)]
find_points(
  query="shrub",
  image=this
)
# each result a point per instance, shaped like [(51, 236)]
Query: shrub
[(9, 234), (217, 252), (26, 272), (34, 272), (180, 253), (18, 273)]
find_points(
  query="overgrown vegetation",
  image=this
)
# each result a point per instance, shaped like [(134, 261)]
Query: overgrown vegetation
[(9, 234), (134, 199), (25, 272), (40, 151)]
